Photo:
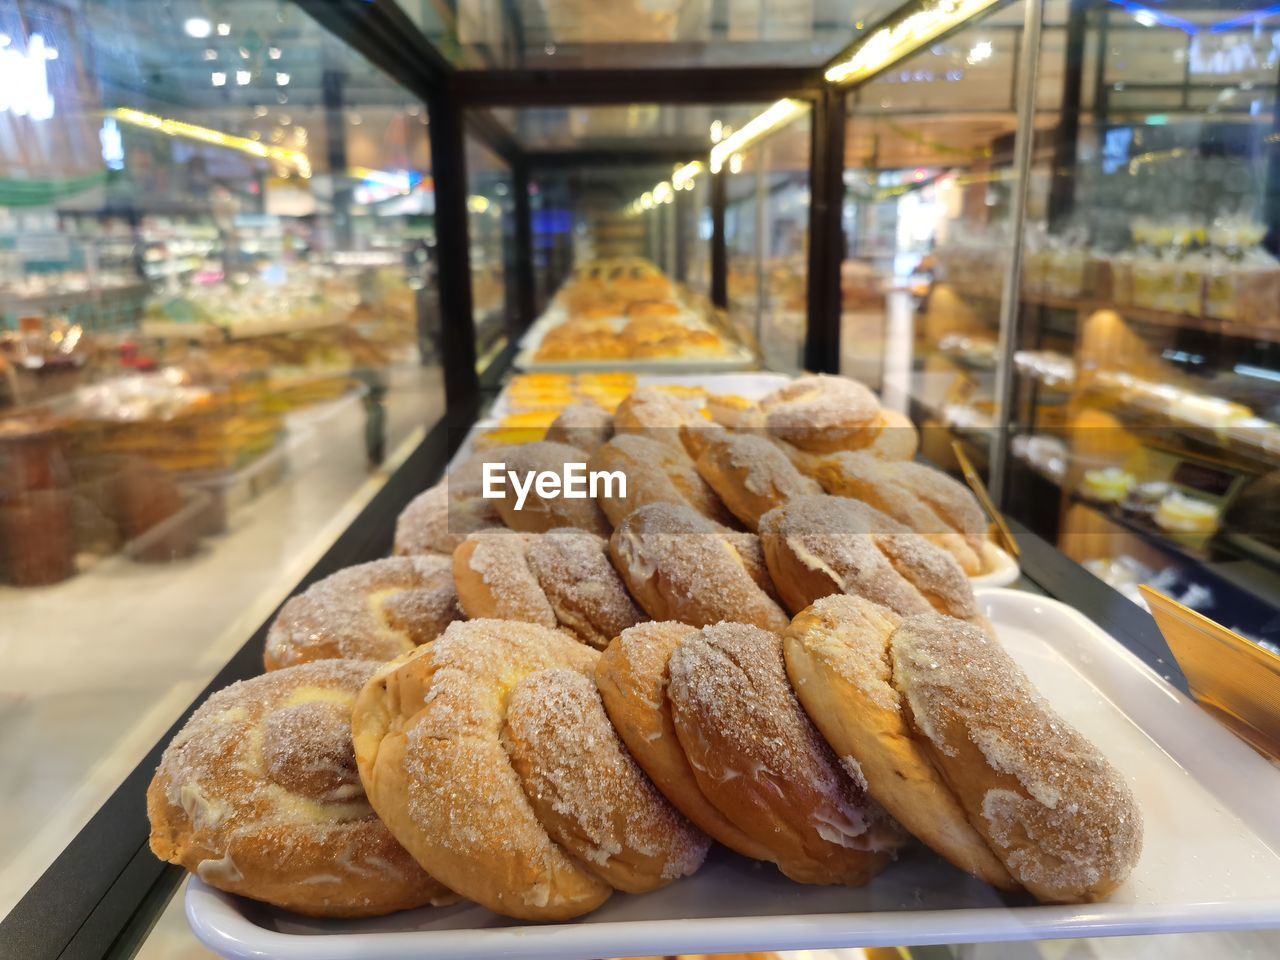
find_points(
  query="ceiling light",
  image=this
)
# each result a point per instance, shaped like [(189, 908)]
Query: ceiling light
[(893, 40), (273, 53), (981, 51), (282, 79), (1145, 17), (218, 78), (243, 77), (197, 27), (717, 131), (663, 193), (292, 159), (211, 54), (244, 54), (260, 110), (224, 29), (735, 163), (682, 178), (285, 119), (778, 114)]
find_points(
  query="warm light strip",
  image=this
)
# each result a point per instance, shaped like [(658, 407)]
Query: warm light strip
[(684, 176), (295, 159), (890, 42), (781, 112)]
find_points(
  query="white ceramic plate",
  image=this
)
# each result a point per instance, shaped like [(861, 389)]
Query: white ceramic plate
[(1210, 859), (1003, 569)]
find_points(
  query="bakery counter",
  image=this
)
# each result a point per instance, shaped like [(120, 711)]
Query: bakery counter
[(1097, 657)]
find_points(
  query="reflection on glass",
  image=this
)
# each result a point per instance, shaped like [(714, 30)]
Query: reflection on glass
[(490, 211), (215, 337), (1147, 404), (928, 161), (637, 34)]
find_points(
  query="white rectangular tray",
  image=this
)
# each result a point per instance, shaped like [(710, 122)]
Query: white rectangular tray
[(1209, 860)]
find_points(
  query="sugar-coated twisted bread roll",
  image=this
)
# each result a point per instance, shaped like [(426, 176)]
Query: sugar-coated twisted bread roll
[(583, 425), (656, 472), (427, 730), (837, 655), (538, 514), (656, 414), (1059, 816), (588, 792), (756, 756), (822, 413), (881, 485), (372, 611), (258, 795), (751, 475), (562, 578), (680, 566), (817, 546), (440, 518), (488, 754), (632, 677)]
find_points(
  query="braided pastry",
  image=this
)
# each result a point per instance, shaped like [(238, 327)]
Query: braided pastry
[(372, 611), (585, 426), (822, 414), (1057, 814), (817, 546), (450, 743), (539, 514), (837, 655), (656, 472), (759, 760), (680, 566), (588, 792), (439, 519), (751, 475), (632, 677), (562, 578), (882, 486), (258, 795)]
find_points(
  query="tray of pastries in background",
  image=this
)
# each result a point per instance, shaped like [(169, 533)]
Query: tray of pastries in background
[(624, 314), (754, 702)]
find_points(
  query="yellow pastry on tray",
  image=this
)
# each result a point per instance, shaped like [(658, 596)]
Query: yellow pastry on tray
[(1179, 513)]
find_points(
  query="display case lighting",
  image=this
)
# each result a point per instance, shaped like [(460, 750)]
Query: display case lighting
[(775, 116), (899, 38), (683, 177), (294, 160)]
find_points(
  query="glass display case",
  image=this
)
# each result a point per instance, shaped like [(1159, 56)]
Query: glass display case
[(279, 283), (1144, 399), (218, 338)]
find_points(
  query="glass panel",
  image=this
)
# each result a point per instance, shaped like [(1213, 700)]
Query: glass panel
[(1148, 429), (928, 159), (641, 34), (217, 337), (491, 232)]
